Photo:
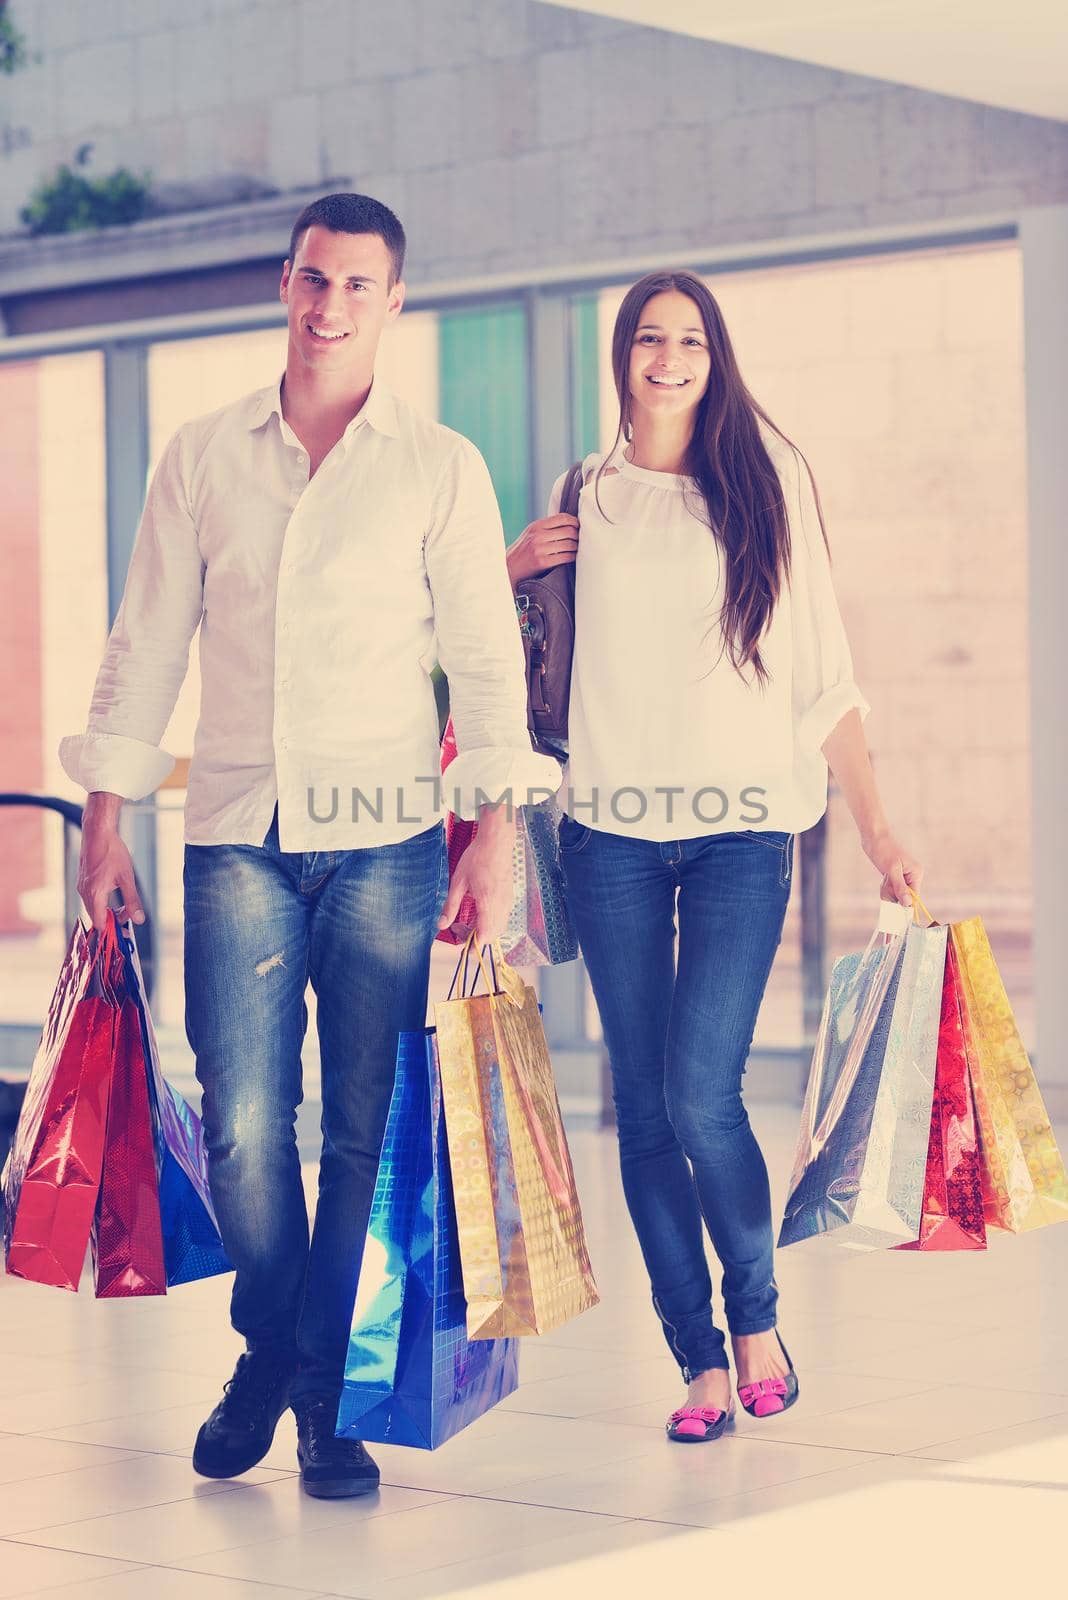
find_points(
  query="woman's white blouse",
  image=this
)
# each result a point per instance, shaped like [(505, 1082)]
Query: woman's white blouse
[(666, 740)]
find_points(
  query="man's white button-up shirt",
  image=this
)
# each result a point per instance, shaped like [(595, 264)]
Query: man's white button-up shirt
[(323, 605)]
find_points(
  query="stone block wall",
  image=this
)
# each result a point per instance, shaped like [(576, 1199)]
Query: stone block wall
[(508, 134)]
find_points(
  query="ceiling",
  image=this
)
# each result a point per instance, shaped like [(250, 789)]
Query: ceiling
[(1014, 56)]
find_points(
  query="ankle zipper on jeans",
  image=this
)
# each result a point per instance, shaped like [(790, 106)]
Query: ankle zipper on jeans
[(674, 1340)]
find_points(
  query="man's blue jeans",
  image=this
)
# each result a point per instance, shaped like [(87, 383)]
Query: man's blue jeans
[(678, 1041), (260, 924)]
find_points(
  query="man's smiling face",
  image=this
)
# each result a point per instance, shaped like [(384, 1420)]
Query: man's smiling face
[(338, 294)]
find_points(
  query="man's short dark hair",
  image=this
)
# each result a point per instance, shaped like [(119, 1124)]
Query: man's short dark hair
[(353, 213)]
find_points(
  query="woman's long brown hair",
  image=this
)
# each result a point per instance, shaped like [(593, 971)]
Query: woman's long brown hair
[(740, 489)]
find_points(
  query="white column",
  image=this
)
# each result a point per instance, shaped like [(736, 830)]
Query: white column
[(1044, 244)]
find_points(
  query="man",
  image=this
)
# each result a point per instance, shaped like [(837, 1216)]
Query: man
[(330, 543)]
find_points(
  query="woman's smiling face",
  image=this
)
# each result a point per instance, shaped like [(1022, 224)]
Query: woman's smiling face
[(669, 358)]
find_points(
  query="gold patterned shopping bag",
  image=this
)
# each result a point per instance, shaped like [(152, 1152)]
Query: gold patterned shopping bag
[(1024, 1181), (525, 1264)]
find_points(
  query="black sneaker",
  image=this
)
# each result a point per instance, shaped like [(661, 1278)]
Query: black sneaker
[(331, 1468), (239, 1432)]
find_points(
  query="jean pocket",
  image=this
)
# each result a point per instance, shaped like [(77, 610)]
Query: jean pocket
[(572, 835), (772, 839)]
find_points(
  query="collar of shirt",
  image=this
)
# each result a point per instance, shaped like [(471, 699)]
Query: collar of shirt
[(379, 411)]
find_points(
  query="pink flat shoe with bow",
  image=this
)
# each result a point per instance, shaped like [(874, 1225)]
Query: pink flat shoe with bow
[(768, 1396), (697, 1424)]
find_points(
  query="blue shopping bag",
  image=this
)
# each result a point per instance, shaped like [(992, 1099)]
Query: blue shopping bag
[(539, 930), (865, 1125), (192, 1248), (411, 1376)]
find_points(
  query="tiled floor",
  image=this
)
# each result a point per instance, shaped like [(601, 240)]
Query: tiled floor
[(930, 1444)]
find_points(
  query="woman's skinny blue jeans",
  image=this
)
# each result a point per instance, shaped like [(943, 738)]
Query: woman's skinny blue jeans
[(678, 1038)]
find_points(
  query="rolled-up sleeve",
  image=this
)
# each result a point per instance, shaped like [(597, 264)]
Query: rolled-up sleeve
[(824, 688), (147, 653), (479, 647)]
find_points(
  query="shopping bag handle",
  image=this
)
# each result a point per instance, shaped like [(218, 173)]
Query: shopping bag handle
[(469, 948), (103, 945), (918, 905), (501, 979), (506, 980)]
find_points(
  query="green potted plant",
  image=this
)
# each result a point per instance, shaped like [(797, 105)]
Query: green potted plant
[(70, 202)]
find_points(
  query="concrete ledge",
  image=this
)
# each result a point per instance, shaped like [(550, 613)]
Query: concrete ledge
[(187, 241), (223, 240)]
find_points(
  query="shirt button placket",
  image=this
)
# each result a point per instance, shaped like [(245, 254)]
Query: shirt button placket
[(284, 625)]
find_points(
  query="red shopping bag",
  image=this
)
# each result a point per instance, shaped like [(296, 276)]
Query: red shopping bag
[(127, 1237), (952, 1216), (52, 1177), (459, 833)]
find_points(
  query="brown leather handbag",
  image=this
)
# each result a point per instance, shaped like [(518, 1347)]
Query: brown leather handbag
[(546, 608)]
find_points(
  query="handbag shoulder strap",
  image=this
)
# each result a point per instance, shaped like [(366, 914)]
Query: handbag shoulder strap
[(569, 494)]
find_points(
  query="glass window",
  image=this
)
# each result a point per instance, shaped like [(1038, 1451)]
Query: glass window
[(588, 392), (485, 396)]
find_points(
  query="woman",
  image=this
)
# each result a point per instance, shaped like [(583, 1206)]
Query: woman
[(712, 688)]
